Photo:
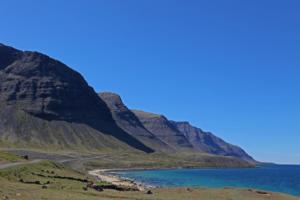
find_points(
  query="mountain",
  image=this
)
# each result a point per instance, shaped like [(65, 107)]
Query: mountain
[(165, 135), (183, 136), (46, 103), (163, 129), (209, 143), (129, 122)]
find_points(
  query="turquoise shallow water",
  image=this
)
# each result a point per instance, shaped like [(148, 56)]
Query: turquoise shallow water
[(277, 178)]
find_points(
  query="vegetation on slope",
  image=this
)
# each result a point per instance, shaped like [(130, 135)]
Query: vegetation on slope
[(158, 160)]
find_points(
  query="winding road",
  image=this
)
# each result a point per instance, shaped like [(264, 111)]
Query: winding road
[(63, 161)]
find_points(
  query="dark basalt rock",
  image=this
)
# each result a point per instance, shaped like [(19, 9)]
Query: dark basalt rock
[(8, 55), (149, 192), (47, 88)]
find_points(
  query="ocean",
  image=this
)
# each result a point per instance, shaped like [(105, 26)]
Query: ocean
[(276, 178)]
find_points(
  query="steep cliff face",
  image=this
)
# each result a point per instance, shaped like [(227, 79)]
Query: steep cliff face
[(183, 136), (45, 89), (129, 122), (209, 143), (161, 134), (163, 129), (8, 55)]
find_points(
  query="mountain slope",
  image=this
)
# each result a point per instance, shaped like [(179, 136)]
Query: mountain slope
[(46, 105), (184, 137), (209, 143), (44, 102), (128, 121), (163, 129)]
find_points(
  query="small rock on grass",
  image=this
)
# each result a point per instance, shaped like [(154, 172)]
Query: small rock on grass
[(5, 198), (149, 192), (85, 188)]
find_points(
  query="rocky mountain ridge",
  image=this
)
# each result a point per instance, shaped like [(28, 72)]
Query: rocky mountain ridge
[(46, 104), (43, 100), (178, 136)]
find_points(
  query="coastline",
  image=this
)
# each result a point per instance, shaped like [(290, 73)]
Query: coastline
[(110, 176), (114, 177)]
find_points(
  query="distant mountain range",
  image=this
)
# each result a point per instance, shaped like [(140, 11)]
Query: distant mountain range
[(169, 136), (46, 104)]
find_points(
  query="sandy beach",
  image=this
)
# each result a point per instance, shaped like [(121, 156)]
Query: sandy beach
[(107, 175)]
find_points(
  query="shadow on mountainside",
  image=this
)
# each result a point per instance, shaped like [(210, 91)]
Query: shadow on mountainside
[(48, 89)]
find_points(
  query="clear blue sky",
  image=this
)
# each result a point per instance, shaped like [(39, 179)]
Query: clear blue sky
[(231, 67)]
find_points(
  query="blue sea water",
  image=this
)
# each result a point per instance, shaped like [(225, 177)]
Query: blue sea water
[(276, 178)]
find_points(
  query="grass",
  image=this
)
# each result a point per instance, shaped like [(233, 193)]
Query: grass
[(9, 157), (17, 191), (44, 173), (103, 183), (85, 161), (35, 176), (158, 160)]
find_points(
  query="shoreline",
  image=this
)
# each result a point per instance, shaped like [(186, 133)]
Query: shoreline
[(110, 176), (113, 177)]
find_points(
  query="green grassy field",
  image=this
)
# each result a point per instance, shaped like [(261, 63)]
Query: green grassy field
[(9, 157), (49, 180), (129, 160)]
